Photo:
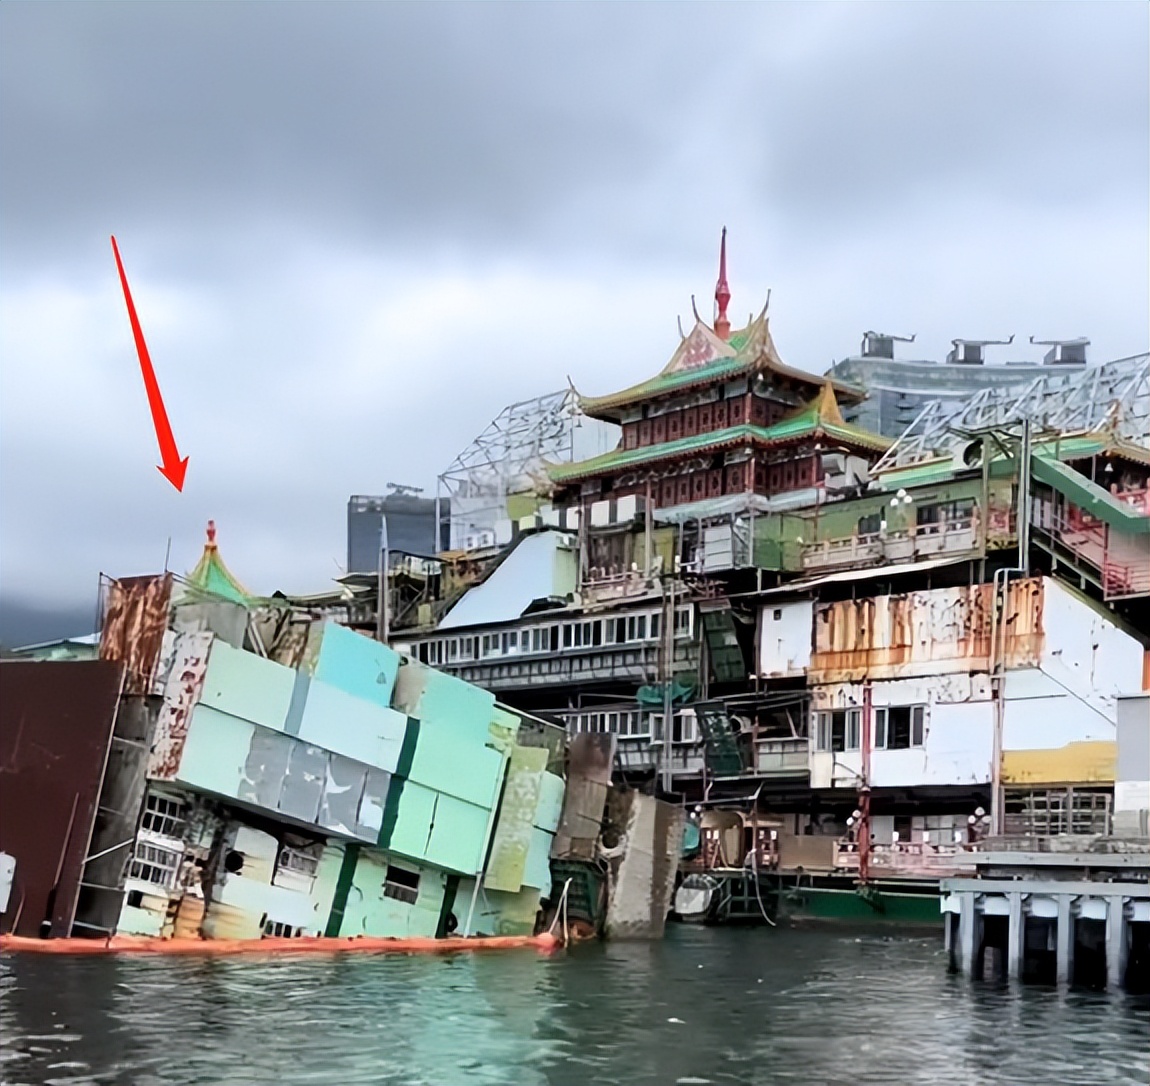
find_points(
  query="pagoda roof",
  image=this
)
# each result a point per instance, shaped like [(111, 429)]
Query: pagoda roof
[(819, 418), (212, 575), (703, 358)]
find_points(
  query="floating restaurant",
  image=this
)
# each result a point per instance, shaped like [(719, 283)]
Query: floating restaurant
[(859, 675)]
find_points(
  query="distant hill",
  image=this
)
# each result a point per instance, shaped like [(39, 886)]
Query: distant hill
[(21, 624)]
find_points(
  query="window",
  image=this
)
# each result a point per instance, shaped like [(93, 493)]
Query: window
[(683, 622), (871, 524), (656, 623), (838, 730), (898, 727), (300, 861), (163, 816), (277, 929), (568, 635), (401, 885), (155, 865)]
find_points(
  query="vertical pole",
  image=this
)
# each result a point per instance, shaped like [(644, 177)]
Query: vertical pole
[(648, 535), (864, 788), (1115, 942), (1064, 941), (383, 608), (668, 672), (1014, 939), (1024, 501)]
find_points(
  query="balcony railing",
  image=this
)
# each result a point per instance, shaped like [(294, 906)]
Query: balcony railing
[(782, 757), (903, 545), (908, 859)]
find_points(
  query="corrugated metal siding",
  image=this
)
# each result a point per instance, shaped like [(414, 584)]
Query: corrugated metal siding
[(56, 723), (135, 618)]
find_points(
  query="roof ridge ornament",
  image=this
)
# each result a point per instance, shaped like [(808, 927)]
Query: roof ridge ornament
[(211, 533), (722, 292)]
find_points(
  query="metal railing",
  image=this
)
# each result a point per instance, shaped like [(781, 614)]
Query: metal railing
[(941, 537), (909, 858)]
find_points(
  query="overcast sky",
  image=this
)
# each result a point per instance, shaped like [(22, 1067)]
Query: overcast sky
[(354, 232)]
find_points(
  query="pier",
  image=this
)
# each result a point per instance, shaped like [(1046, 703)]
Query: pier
[(1075, 918)]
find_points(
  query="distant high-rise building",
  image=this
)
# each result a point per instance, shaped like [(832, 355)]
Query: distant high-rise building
[(410, 528), (898, 389)]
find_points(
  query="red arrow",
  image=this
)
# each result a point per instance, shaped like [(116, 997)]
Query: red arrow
[(173, 468)]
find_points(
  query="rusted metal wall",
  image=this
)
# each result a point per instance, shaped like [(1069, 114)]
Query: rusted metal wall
[(942, 629), (56, 722), (135, 618), (182, 691)]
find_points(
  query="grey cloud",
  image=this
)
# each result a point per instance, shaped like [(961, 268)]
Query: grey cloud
[(356, 231)]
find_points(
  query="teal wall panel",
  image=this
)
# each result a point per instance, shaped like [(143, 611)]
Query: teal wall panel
[(349, 725), (247, 686), (516, 819), (449, 760), (351, 662), (550, 808), (369, 912), (215, 752)]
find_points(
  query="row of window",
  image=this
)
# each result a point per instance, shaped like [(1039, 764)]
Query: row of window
[(896, 727), (550, 638), (702, 419), (635, 724)]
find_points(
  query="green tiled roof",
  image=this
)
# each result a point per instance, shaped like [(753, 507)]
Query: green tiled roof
[(702, 358), (815, 418), (212, 576)]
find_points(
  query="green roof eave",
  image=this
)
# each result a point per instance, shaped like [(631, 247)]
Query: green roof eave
[(787, 430), (663, 383)]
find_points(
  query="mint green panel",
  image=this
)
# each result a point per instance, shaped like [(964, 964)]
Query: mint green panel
[(449, 759), (370, 912), (414, 820), (550, 807), (215, 752), (437, 699), (352, 663), (337, 721), (502, 730), (247, 686), (517, 810), (537, 871), (497, 913), (458, 838)]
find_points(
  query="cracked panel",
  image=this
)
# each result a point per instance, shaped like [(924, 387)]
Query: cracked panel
[(265, 768), (342, 793), (304, 783)]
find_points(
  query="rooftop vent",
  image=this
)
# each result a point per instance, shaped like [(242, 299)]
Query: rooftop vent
[(881, 345), (1063, 352), (971, 352)]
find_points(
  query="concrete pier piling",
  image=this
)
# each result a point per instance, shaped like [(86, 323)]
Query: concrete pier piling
[(1034, 917)]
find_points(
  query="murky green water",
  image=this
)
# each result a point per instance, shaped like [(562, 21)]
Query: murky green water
[(707, 1005)]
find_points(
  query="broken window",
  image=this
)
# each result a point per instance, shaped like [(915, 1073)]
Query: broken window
[(156, 865), (838, 729), (401, 885), (163, 816), (899, 727)]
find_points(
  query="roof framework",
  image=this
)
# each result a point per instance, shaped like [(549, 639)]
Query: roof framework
[(1113, 397)]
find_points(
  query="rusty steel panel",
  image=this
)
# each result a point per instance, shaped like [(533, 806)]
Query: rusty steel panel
[(181, 693), (132, 632), (937, 630), (56, 721)]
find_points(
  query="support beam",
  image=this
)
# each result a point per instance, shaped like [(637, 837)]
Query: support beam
[(1015, 941), (1116, 944), (1065, 940), (967, 941)]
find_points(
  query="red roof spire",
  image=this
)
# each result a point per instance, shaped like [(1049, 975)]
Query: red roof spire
[(722, 292), (211, 533)]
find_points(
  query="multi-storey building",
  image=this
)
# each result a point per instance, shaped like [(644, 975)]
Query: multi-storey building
[(928, 640)]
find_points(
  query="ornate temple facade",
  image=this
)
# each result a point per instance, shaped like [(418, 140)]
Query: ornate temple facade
[(725, 416)]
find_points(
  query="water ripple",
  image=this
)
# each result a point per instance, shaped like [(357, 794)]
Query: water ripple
[(713, 1006)]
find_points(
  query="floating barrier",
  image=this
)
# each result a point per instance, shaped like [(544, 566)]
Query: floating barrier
[(134, 944)]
